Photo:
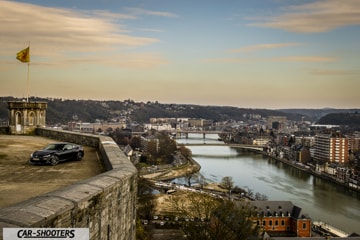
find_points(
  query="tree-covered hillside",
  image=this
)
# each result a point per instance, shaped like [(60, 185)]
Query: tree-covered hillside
[(61, 111), (348, 120)]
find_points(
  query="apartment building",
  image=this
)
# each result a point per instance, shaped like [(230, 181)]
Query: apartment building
[(149, 144), (355, 142), (333, 148)]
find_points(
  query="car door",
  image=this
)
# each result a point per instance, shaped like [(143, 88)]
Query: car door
[(68, 152)]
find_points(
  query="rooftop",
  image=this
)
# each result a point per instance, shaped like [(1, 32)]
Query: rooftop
[(20, 181), (277, 208)]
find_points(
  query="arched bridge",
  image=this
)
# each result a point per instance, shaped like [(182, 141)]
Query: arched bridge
[(235, 145), (186, 132)]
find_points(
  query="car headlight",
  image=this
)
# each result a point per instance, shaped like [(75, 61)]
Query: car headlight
[(47, 156)]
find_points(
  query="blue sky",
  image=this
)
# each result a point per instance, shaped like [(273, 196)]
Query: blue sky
[(248, 53)]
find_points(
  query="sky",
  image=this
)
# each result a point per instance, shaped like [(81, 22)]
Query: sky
[(245, 53)]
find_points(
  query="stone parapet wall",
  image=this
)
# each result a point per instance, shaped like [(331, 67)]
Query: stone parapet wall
[(74, 137), (4, 130), (106, 203)]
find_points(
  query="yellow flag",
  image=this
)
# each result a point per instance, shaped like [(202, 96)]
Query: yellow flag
[(24, 55)]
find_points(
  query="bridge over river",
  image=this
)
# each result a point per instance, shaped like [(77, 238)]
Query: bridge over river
[(186, 132), (234, 145)]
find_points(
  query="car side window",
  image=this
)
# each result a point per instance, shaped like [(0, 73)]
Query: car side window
[(67, 147)]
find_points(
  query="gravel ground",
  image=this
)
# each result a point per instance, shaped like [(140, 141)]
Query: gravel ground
[(20, 181)]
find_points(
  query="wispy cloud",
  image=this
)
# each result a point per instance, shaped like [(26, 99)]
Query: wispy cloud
[(134, 60), (260, 47), (304, 59), (332, 72), (58, 33), (141, 11), (226, 60), (276, 59), (149, 30), (111, 15), (319, 16)]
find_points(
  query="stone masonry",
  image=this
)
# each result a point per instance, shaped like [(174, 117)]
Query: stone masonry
[(106, 203)]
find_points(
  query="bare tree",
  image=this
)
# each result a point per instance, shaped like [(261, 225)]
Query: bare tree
[(260, 197), (227, 183), (231, 221), (195, 205), (211, 218)]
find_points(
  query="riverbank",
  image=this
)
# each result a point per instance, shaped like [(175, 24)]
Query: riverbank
[(262, 174), (312, 172), (190, 167)]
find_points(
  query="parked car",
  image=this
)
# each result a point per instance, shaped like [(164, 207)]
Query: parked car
[(57, 152)]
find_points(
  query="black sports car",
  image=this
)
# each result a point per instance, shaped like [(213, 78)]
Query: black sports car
[(57, 152)]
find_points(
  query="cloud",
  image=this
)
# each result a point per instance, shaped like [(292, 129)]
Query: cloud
[(58, 33), (141, 11), (331, 72), (149, 30), (319, 16), (260, 47), (134, 60), (226, 60), (304, 59), (110, 15), (278, 59)]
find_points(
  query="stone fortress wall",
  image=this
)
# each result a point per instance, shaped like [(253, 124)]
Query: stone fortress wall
[(106, 203)]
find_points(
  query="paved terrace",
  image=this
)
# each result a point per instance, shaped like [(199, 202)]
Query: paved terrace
[(20, 181)]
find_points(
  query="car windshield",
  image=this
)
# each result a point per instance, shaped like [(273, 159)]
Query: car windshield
[(54, 147)]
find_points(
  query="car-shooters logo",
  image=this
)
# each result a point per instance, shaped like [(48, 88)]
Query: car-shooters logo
[(46, 233)]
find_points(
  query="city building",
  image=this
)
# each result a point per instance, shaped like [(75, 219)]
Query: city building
[(278, 123), (158, 126), (149, 143), (97, 127), (355, 142), (281, 218), (333, 148)]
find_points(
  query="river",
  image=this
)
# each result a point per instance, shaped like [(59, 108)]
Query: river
[(320, 199)]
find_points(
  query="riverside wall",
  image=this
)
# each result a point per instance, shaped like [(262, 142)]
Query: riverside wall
[(106, 203)]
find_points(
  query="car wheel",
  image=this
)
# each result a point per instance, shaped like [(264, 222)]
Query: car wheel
[(79, 156), (54, 160)]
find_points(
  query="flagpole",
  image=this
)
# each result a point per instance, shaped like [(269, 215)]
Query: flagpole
[(27, 82), (28, 74), (24, 57)]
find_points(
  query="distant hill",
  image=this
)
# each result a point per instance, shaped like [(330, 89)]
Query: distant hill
[(316, 114), (350, 120), (62, 111)]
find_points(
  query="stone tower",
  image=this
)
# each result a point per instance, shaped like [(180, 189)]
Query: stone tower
[(25, 117)]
